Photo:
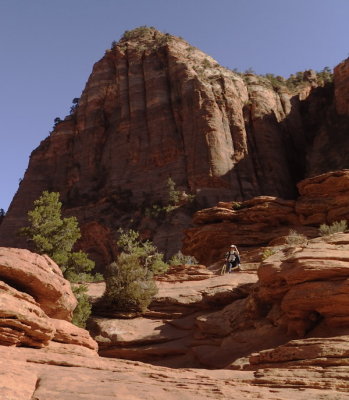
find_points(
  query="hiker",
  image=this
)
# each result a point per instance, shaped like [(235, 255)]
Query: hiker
[(232, 259)]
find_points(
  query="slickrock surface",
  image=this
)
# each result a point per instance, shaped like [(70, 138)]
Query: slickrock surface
[(320, 363), (294, 318), (46, 374), (28, 374), (155, 107), (65, 332), (33, 295), (270, 348), (168, 333), (265, 220)]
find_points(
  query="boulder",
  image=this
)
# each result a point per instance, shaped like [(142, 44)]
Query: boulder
[(40, 277), (34, 291)]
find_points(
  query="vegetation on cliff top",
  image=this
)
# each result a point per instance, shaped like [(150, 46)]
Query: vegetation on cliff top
[(149, 34), (143, 34)]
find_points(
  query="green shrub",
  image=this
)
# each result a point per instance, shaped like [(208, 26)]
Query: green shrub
[(295, 238), (190, 49), (83, 309), (57, 121), (156, 210), (176, 196), (250, 71), (276, 81), (269, 251), (337, 226), (180, 259), (145, 252), (129, 285), (173, 194), (237, 205), (134, 33), (325, 76), (206, 63)]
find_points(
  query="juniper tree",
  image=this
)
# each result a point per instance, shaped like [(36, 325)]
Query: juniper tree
[(55, 236), (130, 284)]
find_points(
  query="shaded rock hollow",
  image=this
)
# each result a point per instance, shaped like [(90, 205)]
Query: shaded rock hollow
[(155, 107)]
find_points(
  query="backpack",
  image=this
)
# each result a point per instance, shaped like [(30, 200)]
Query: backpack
[(231, 257)]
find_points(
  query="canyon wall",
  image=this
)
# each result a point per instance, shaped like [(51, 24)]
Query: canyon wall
[(155, 108)]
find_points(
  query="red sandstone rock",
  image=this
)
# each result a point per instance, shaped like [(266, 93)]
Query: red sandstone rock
[(311, 284), (323, 199), (22, 321), (268, 220), (154, 107), (166, 333), (181, 273), (301, 291), (41, 278), (45, 375), (341, 79), (255, 222), (250, 322), (68, 333)]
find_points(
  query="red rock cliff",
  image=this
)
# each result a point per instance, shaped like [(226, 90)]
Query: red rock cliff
[(155, 107)]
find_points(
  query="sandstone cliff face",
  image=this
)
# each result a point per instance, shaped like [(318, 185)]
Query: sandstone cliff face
[(155, 107)]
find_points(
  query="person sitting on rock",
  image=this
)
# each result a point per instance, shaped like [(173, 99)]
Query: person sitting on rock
[(232, 259)]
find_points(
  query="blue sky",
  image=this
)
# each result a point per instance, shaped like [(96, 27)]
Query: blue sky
[(48, 48)]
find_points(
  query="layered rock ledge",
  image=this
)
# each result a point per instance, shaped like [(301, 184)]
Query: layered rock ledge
[(36, 303), (266, 220)]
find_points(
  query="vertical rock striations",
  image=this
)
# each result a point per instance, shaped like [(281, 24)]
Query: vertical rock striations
[(155, 107)]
